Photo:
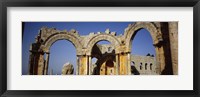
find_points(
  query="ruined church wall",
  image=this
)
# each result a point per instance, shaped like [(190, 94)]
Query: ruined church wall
[(140, 61)]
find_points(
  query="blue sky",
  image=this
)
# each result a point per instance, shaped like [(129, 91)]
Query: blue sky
[(63, 51)]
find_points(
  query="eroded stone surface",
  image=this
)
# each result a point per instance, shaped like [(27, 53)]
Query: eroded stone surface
[(67, 69)]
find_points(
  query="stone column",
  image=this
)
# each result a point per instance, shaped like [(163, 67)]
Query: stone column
[(31, 60), (46, 64), (123, 63), (158, 67), (173, 36), (161, 58), (83, 63), (128, 63), (89, 65), (120, 64), (77, 65), (40, 70), (117, 64)]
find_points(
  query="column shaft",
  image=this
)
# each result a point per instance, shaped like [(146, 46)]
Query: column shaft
[(90, 65), (158, 65), (173, 36), (129, 64), (77, 66), (31, 60), (117, 64), (46, 64), (162, 59)]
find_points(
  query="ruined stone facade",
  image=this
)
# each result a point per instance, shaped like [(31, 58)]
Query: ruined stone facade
[(143, 65), (114, 59)]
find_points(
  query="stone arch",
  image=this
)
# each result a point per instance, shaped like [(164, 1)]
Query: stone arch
[(154, 28), (105, 58), (113, 40), (50, 40), (61, 36), (150, 27)]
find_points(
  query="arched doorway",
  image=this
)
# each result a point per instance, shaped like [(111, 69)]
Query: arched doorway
[(102, 38), (159, 34), (143, 52), (62, 54), (142, 43), (94, 49), (103, 51)]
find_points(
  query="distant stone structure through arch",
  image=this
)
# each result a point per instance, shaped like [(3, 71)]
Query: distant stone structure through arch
[(115, 58)]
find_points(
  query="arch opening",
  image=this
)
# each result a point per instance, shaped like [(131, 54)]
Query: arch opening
[(62, 59), (151, 66), (104, 53), (145, 66), (62, 36), (140, 66), (143, 51), (99, 38)]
